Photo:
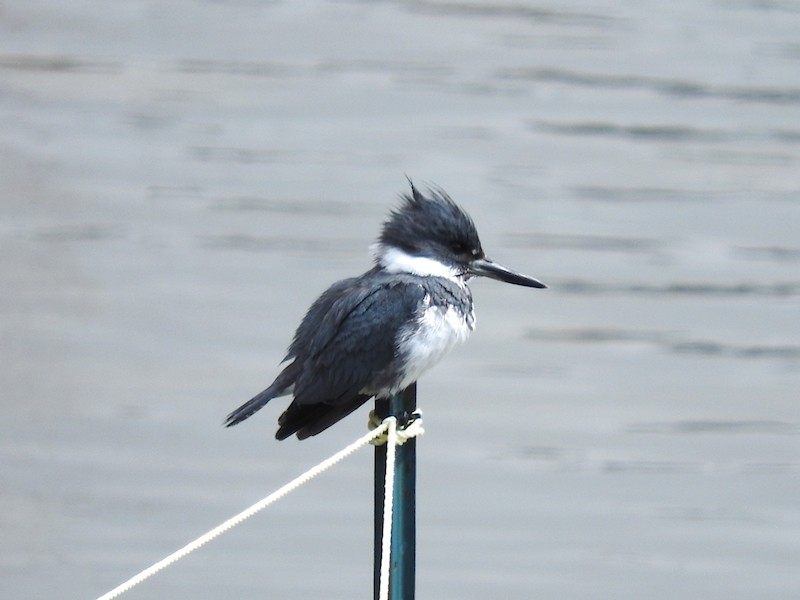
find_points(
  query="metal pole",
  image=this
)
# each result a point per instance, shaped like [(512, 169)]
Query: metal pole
[(401, 572)]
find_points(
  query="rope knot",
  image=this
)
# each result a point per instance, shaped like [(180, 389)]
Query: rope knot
[(409, 425)]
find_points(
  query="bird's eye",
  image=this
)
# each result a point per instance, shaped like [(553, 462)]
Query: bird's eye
[(458, 248)]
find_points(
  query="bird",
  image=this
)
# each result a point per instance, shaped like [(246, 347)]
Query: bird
[(376, 334)]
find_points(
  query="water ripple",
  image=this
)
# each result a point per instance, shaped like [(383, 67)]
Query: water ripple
[(298, 207), (669, 87), (266, 243), (780, 289), (543, 14), (58, 63), (769, 253), (672, 133), (584, 242), (710, 426), (667, 341), (80, 232)]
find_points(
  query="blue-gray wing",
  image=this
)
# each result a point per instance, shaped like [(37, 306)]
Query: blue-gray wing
[(348, 338)]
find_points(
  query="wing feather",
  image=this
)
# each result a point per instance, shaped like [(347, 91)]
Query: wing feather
[(354, 346)]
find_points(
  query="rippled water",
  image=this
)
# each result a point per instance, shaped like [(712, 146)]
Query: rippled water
[(180, 179)]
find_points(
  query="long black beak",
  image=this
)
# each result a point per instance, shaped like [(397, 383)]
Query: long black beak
[(483, 267)]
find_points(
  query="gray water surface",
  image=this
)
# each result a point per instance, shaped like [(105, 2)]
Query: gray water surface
[(180, 179)]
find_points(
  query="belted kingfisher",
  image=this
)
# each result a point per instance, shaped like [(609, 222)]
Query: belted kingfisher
[(374, 335)]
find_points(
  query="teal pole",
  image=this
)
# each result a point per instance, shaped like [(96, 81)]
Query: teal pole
[(404, 534)]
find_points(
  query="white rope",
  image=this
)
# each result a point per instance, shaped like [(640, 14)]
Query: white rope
[(411, 430), (257, 507), (388, 500)]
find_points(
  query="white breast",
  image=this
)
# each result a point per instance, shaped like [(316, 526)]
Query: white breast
[(435, 333)]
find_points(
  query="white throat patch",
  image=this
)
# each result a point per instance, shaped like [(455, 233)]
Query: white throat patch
[(397, 261)]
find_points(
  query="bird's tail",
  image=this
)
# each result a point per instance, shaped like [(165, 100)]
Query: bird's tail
[(253, 405)]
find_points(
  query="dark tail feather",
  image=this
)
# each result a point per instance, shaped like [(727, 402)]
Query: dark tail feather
[(310, 419), (252, 406)]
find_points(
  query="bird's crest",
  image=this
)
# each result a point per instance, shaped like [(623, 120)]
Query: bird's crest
[(421, 220)]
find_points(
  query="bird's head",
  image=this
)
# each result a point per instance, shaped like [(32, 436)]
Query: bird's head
[(433, 236)]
